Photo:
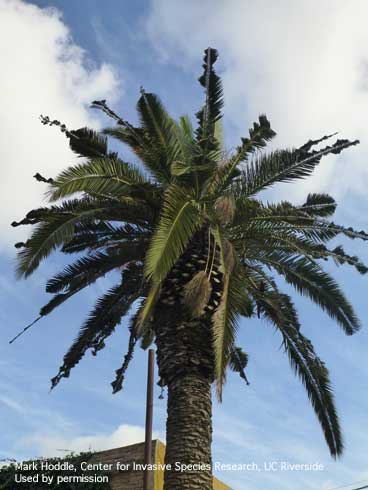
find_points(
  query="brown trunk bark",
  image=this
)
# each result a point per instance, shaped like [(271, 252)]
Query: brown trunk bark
[(185, 360), (189, 433), (186, 366)]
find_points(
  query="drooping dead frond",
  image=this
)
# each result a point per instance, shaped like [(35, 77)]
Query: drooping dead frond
[(197, 292), (225, 209)]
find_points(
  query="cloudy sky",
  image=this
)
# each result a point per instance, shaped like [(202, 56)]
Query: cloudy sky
[(305, 64)]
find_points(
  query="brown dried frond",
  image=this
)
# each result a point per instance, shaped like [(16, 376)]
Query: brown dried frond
[(225, 209), (229, 255), (197, 293)]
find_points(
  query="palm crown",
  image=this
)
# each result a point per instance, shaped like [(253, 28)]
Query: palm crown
[(144, 220)]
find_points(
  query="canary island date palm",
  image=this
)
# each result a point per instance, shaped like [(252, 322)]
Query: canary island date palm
[(196, 250)]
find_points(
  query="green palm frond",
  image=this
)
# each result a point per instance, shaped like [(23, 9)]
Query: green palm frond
[(73, 279), (224, 324), (307, 365), (310, 280), (349, 232), (185, 140), (160, 128), (102, 234), (245, 208), (234, 302), (89, 268), (180, 218), (108, 176), (185, 231), (219, 133), (82, 274), (266, 239), (316, 205), (310, 244), (141, 140), (248, 209), (56, 230), (186, 161), (299, 233), (259, 135), (140, 144), (187, 128), (91, 236)]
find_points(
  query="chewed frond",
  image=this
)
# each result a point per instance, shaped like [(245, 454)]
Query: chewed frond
[(321, 205), (310, 143), (88, 143), (259, 136), (117, 384), (102, 321), (211, 111), (77, 276), (285, 166), (340, 257), (85, 142), (238, 362)]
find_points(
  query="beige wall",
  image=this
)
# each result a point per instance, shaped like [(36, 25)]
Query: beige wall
[(126, 480), (133, 480)]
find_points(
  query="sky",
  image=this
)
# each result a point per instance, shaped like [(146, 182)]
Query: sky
[(305, 64)]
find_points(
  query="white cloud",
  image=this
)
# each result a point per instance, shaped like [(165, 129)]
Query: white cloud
[(11, 404), (42, 72), (303, 63), (48, 445)]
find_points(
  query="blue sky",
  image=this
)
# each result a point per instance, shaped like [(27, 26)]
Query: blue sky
[(310, 77)]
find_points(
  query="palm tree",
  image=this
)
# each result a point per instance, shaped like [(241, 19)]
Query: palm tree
[(194, 248)]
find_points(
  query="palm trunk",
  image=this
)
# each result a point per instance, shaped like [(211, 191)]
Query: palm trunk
[(185, 361), (189, 433), (186, 366)]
